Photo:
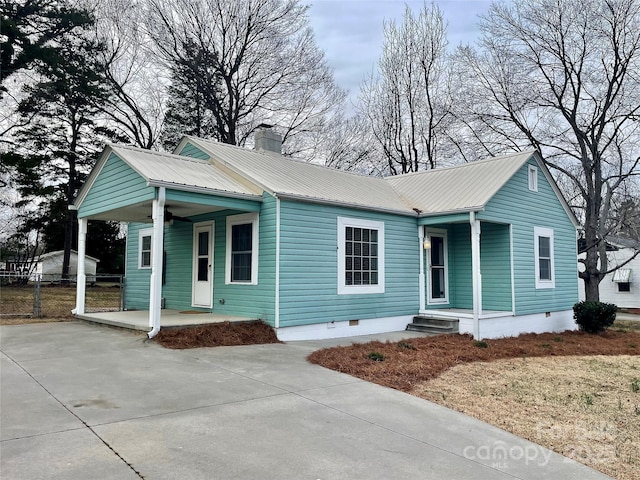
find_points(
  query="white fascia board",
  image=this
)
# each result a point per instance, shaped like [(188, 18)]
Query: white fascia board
[(356, 206), (95, 171), (205, 190)]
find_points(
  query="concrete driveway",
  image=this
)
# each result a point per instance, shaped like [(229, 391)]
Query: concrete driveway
[(85, 402)]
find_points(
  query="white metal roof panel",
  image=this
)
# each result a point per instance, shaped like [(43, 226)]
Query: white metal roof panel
[(622, 275), (289, 177), (185, 172), (460, 188)]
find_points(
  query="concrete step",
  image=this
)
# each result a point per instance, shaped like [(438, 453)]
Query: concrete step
[(431, 320), (435, 325)]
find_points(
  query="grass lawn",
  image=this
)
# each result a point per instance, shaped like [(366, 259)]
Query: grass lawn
[(57, 301), (574, 393)]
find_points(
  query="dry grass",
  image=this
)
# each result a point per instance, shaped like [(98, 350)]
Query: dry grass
[(572, 392), (57, 301), (586, 408), (217, 335), (411, 362)]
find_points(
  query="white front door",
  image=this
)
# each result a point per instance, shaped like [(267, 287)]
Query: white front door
[(438, 269), (202, 264)]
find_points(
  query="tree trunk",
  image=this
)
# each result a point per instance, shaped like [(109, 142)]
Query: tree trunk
[(591, 290)]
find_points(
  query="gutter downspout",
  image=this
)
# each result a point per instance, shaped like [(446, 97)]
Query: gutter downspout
[(81, 283), (155, 292), (276, 321), (421, 278), (476, 274)]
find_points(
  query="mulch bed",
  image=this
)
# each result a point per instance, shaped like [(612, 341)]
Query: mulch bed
[(401, 365), (217, 335)]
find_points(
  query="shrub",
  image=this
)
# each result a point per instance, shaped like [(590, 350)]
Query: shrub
[(480, 344), (594, 317), (375, 356)]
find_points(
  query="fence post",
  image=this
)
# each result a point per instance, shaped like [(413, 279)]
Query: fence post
[(121, 279), (37, 297)]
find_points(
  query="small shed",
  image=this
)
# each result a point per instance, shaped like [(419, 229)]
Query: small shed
[(49, 265)]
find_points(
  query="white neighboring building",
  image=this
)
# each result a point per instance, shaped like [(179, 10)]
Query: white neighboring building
[(621, 287), (49, 265)]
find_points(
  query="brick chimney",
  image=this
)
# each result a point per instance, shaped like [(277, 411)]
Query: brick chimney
[(267, 140)]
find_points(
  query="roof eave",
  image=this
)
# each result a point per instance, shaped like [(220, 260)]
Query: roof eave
[(204, 190), (358, 206), (475, 208)]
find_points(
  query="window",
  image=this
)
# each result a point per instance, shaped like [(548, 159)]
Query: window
[(622, 277), (360, 256), (624, 287), (543, 245), (242, 249), (144, 248), (533, 178)]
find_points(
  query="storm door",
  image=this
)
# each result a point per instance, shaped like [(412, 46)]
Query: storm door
[(202, 264)]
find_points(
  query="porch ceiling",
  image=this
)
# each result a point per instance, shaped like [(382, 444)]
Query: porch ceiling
[(141, 212)]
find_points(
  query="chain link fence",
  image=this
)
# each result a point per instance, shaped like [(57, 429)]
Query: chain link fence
[(24, 295)]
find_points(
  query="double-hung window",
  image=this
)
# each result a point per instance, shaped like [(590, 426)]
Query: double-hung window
[(144, 248), (360, 256), (543, 251), (242, 249)]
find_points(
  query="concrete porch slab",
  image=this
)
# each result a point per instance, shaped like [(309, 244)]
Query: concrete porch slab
[(139, 319)]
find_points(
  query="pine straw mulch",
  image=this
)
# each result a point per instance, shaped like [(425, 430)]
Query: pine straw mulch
[(217, 335), (405, 364)]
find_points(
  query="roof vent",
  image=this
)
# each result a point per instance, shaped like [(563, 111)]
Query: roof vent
[(267, 140)]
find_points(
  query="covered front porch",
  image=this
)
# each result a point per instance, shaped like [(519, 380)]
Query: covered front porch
[(171, 205), (139, 319), (466, 270)]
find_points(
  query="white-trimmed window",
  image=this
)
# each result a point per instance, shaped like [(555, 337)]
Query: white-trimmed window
[(533, 178), (242, 249), (145, 237), (543, 248), (360, 256)]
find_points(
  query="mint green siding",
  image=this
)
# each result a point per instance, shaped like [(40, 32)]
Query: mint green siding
[(117, 185), (255, 301), (309, 267), (460, 275), (526, 209), (136, 295), (459, 265), (194, 152), (213, 200), (495, 266)]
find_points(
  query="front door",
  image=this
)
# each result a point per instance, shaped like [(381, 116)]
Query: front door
[(437, 279), (202, 264)]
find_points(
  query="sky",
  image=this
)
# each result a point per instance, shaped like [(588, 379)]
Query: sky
[(350, 31)]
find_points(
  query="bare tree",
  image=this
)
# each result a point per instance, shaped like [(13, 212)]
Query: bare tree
[(564, 77), (138, 83), (252, 61), (406, 102)]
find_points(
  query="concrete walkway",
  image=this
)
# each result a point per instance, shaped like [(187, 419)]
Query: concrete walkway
[(86, 402)]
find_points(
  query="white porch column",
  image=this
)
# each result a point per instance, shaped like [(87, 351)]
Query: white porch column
[(476, 273), (157, 247), (421, 278), (81, 280)]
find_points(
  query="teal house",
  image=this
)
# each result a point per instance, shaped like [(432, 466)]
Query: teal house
[(317, 253)]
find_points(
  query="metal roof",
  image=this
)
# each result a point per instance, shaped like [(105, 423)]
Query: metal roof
[(237, 171), (461, 188), (287, 177), (182, 173)]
